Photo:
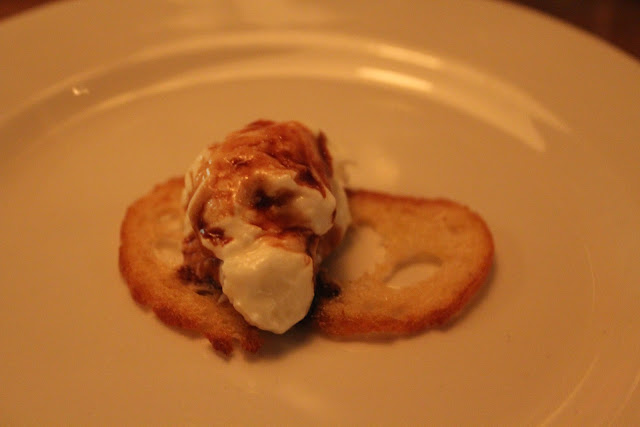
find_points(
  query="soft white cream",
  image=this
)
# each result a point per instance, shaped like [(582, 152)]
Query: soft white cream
[(342, 218), (308, 205), (271, 287), (268, 278)]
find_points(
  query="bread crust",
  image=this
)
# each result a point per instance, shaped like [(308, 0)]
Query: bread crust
[(150, 260), (412, 229)]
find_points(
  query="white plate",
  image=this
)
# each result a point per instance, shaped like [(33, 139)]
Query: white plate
[(533, 124)]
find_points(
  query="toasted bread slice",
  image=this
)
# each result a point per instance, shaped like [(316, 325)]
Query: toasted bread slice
[(440, 232), (150, 261), (411, 229)]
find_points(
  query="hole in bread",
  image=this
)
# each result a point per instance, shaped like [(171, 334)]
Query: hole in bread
[(170, 221), (168, 251), (359, 253), (414, 271)]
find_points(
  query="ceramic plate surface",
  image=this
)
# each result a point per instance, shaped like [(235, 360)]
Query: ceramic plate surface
[(533, 124)]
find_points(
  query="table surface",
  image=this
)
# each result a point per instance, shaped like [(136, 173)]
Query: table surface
[(616, 21)]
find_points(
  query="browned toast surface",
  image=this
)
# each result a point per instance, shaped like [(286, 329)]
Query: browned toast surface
[(411, 230), (150, 259)]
